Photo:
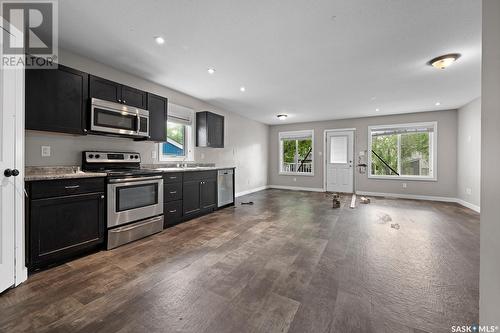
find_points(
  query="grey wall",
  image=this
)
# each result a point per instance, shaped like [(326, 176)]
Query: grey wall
[(445, 186), (489, 285), (469, 152), (246, 141)]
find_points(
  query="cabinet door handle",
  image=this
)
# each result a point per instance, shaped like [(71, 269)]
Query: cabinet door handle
[(173, 192), (124, 101), (102, 196), (119, 101), (71, 187), (172, 177), (172, 211)]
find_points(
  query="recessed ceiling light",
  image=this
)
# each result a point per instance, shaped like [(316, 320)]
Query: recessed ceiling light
[(444, 61), (377, 109), (438, 103), (243, 89), (159, 40), (211, 70), (282, 116)]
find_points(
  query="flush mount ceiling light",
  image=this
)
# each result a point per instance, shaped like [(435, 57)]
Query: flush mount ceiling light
[(159, 40), (243, 89), (282, 116), (211, 71), (444, 61)]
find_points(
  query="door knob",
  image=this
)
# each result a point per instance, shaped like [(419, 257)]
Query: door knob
[(9, 172)]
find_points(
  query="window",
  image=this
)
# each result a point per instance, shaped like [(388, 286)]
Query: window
[(296, 153), (179, 145), (406, 151)]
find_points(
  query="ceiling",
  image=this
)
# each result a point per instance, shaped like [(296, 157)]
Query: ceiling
[(312, 59)]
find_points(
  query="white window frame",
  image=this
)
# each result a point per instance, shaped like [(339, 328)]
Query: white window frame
[(432, 154), (184, 113), (282, 135)]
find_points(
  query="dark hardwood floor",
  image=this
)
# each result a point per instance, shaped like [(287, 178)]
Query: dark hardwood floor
[(289, 263)]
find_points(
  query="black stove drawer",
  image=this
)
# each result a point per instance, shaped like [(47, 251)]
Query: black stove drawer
[(62, 187), (172, 192)]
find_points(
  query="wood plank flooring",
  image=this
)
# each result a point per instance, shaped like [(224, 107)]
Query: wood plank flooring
[(289, 263)]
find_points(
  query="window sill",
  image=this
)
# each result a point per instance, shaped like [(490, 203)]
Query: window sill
[(421, 179), (308, 174)]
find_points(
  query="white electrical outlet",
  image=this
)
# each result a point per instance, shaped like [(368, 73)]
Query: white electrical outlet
[(45, 151), (468, 190), (153, 154), (405, 185), (294, 179), (362, 153)]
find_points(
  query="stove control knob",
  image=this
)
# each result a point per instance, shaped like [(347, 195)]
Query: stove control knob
[(136, 156), (97, 155), (91, 155), (131, 156)]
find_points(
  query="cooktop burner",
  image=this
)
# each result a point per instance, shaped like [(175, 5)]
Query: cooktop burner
[(115, 164)]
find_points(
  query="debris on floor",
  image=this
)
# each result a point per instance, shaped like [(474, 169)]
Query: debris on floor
[(395, 226), (335, 200), (384, 218), (247, 203), (353, 201), (364, 200)]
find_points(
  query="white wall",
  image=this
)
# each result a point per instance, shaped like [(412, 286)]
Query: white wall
[(445, 186), (489, 284), (246, 141), (469, 153)]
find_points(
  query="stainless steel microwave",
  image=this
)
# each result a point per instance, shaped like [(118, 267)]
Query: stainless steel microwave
[(118, 119)]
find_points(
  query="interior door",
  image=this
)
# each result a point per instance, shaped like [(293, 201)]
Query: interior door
[(7, 184), (339, 161)]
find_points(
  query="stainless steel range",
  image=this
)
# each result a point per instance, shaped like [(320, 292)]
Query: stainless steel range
[(134, 195)]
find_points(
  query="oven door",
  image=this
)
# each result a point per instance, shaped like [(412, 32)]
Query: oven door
[(133, 199), (109, 117)]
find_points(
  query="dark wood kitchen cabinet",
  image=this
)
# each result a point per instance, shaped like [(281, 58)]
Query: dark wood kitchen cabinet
[(172, 198), (157, 107), (65, 218), (209, 130), (199, 193), (56, 100), (115, 92)]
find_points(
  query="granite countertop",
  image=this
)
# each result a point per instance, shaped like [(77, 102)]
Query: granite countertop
[(174, 168), (58, 172)]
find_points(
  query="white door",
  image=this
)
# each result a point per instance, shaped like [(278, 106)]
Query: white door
[(339, 161), (7, 184)]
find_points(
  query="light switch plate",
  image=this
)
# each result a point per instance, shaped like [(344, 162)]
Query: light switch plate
[(153, 154), (45, 151), (405, 185), (468, 190)]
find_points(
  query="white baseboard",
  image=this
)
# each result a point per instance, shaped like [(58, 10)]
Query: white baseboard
[(253, 190), (407, 196), (464, 203), (421, 197), (297, 188)]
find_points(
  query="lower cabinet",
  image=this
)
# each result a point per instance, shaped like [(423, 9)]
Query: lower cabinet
[(199, 193), (172, 212), (65, 226)]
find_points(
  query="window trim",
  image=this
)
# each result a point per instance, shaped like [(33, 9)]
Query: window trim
[(280, 150), (433, 154)]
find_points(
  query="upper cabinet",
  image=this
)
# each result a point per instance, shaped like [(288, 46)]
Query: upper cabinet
[(56, 100), (114, 92), (157, 106), (209, 130)]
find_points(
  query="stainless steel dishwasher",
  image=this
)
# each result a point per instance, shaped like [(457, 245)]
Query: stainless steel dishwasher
[(225, 188)]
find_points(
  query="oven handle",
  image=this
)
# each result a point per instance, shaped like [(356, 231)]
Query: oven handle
[(136, 225), (126, 180), (138, 123)]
